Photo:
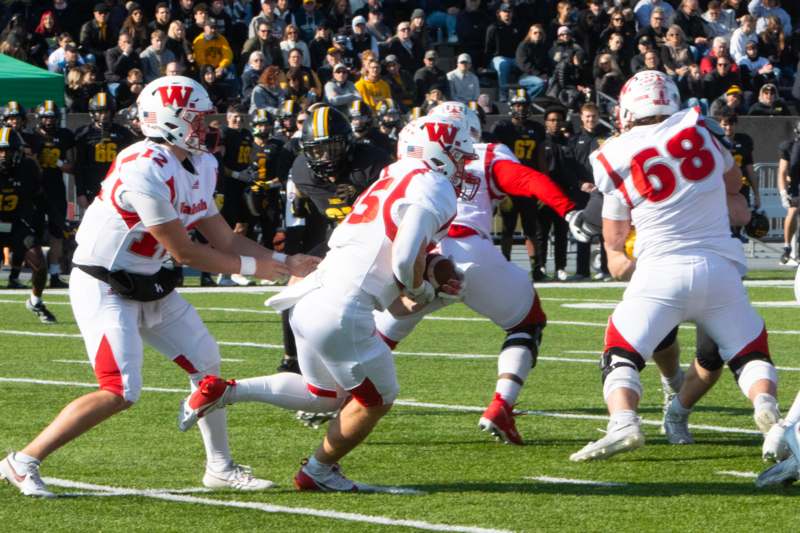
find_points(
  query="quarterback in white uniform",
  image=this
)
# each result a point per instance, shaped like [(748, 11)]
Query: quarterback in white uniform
[(668, 176), (375, 256), (121, 296), (492, 286)]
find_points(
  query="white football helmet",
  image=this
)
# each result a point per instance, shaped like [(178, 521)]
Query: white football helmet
[(442, 143), (174, 108), (460, 111), (648, 93)]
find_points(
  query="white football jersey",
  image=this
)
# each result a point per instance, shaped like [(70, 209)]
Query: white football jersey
[(670, 177), (360, 255), (477, 212), (112, 235)]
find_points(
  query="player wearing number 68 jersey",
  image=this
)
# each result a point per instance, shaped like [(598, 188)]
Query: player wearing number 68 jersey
[(668, 176), (374, 257)]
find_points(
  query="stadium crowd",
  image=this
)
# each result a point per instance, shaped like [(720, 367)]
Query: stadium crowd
[(265, 62)]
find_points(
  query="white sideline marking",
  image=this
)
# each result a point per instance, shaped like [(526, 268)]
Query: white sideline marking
[(170, 496), (736, 473), (409, 403), (568, 481)]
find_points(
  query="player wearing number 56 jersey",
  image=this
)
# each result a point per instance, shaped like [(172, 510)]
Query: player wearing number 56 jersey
[(668, 176), (372, 260), (156, 190)]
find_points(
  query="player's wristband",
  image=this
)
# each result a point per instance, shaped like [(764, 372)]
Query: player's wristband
[(248, 267), (279, 257)]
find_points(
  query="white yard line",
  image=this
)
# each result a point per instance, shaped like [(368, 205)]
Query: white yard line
[(269, 508), (408, 403), (568, 481), (86, 362), (736, 473)]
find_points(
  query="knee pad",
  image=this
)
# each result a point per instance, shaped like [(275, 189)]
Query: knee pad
[(708, 357), (620, 368), (525, 338), (518, 356), (740, 362), (753, 371)]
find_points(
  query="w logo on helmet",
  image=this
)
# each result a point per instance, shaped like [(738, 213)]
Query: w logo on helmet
[(175, 95), (444, 134)]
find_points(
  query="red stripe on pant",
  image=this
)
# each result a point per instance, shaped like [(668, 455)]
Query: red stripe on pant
[(106, 369), (183, 362), (392, 344), (535, 316), (324, 393), (614, 339), (757, 345), (366, 394)]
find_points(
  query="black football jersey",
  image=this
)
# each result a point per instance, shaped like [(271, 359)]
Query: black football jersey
[(238, 148), (523, 139), (48, 150), (272, 160), (95, 150), (365, 164), (18, 191)]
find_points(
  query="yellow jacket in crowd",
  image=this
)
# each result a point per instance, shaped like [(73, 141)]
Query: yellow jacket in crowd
[(215, 52), (373, 92)]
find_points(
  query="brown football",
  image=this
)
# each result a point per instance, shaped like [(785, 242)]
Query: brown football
[(439, 269)]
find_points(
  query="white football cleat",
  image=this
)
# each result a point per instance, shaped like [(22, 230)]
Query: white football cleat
[(766, 415), (315, 420), (775, 448), (212, 393), (242, 281), (331, 481), (620, 439), (24, 476), (676, 426), (224, 280), (787, 471), (238, 477)]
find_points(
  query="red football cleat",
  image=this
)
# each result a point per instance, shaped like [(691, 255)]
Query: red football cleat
[(498, 419), (212, 393)]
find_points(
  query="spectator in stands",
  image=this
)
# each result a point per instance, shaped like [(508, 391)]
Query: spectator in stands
[(332, 58), (120, 59), (757, 70), (266, 15), (48, 31), (265, 43), (295, 60), (376, 27), (644, 9), (401, 46), (608, 76), (471, 25), (67, 17), (252, 72), (716, 25), (774, 46), (430, 76), (675, 54), (155, 57), (173, 69), (89, 86), (618, 23), (282, 13), (340, 15), (400, 82), (177, 44), (291, 40), (298, 88), (652, 61), (734, 10), (72, 87), (13, 46), (217, 90), (463, 83), (135, 25), (308, 19), (620, 50), (719, 48), (184, 12), (161, 19), (644, 44), (768, 103), (692, 86), (721, 79), (571, 84), (689, 19), (420, 33), (564, 47), (361, 39), (318, 47), (746, 33), (268, 93), (591, 22), (130, 88), (211, 48), (432, 98), (763, 9), (371, 87), (442, 15), (57, 60), (502, 39), (730, 102), (657, 29), (97, 36), (348, 57), (224, 23), (489, 107), (564, 18), (340, 91), (534, 62), (199, 18)]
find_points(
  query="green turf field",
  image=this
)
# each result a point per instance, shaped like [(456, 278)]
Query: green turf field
[(429, 442)]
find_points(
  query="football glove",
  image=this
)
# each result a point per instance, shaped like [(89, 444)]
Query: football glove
[(581, 231), (346, 192), (423, 294), (786, 200)]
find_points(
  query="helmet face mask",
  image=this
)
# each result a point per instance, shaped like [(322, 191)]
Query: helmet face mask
[(10, 150), (325, 141), (519, 105)]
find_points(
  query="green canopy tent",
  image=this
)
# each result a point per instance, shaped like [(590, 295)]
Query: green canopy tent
[(27, 84)]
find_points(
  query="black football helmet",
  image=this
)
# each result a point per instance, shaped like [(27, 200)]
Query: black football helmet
[(130, 115), (415, 113), (101, 110), (14, 114), (519, 104), (47, 115), (325, 140), (479, 110), (360, 116), (389, 114), (10, 149), (758, 227), (261, 122)]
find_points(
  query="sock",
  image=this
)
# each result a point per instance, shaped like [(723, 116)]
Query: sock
[(677, 407), (313, 466), (508, 389), (622, 418), (765, 401), (214, 431), (674, 383), (54, 269), (285, 390), (36, 300), (14, 274), (793, 416), (24, 458)]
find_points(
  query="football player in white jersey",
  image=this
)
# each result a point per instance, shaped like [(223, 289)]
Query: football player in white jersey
[(120, 294), (669, 177), (493, 286), (376, 255)]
